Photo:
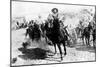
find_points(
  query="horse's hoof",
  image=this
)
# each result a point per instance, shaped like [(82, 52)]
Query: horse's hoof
[(65, 53), (61, 58)]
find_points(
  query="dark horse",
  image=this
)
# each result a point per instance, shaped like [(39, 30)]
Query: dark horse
[(33, 32), (86, 34), (55, 34)]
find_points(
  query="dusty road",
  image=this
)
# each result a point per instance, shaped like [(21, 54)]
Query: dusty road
[(74, 54)]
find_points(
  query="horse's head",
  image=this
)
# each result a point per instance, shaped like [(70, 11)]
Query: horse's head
[(50, 23), (53, 24)]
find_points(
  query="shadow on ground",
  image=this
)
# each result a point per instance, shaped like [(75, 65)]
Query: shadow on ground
[(34, 53), (38, 53)]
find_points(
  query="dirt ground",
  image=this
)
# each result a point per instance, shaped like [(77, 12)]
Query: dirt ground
[(76, 53)]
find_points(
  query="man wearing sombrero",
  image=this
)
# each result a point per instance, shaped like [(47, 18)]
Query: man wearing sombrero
[(55, 15)]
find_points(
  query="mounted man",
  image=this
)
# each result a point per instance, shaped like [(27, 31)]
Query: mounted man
[(55, 15), (55, 32)]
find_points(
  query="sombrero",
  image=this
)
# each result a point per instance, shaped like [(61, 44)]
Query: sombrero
[(54, 10)]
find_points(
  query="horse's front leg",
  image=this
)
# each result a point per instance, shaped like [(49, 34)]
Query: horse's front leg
[(86, 40), (59, 47), (64, 48), (89, 41), (83, 40), (55, 48)]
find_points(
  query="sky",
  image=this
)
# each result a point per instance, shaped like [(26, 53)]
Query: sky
[(31, 10)]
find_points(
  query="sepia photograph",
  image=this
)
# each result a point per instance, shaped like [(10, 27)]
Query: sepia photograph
[(51, 33)]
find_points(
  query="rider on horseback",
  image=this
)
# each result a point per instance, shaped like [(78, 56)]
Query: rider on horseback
[(55, 15), (57, 34), (39, 21)]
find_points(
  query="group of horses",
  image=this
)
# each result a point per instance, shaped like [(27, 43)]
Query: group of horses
[(51, 30), (86, 32)]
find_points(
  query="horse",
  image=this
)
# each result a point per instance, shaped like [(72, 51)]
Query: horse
[(86, 34), (33, 32), (55, 34)]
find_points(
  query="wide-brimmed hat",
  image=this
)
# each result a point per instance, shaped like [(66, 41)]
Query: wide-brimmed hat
[(54, 10)]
